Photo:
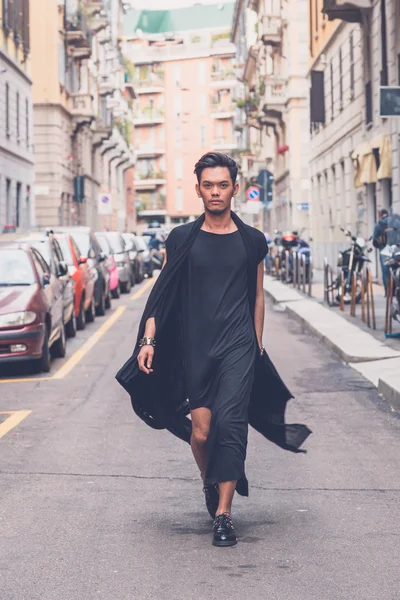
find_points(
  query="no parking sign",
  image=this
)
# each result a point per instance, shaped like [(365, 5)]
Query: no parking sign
[(253, 193), (104, 205)]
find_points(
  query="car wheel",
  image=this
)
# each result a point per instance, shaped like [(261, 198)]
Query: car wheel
[(116, 292), (91, 312), (108, 300), (44, 362), (126, 287), (59, 347), (70, 328), (101, 308), (81, 318), (150, 274)]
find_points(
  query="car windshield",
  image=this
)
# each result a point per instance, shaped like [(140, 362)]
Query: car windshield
[(141, 243), (147, 239), (82, 241), (66, 250), (116, 242), (104, 245), (15, 268), (42, 247)]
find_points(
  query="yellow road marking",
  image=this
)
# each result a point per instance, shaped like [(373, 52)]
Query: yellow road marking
[(15, 418), (142, 290), (88, 345)]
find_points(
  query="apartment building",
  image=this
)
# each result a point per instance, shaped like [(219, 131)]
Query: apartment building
[(354, 54), (186, 100), (16, 131), (82, 115), (276, 107)]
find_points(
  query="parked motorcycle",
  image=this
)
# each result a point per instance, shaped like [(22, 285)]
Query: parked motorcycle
[(391, 256), (297, 248), (351, 261)]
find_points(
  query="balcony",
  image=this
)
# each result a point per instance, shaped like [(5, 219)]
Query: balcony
[(222, 143), (223, 79), (82, 107), (148, 116), (149, 151), (150, 180), (152, 84), (221, 110), (152, 205), (97, 23), (107, 85), (76, 30), (351, 12), (275, 95), (129, 85), (271, 30), (94, 7)]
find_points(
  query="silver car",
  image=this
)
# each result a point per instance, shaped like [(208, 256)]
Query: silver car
[(121, 257)]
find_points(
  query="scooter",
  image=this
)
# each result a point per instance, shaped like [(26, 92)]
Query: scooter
[(351, 261)]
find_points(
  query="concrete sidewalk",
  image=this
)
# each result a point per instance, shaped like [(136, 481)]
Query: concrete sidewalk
[(376, 360)]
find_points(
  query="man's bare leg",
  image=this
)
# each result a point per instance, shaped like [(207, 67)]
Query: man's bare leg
[(226, 492), (201, 418)]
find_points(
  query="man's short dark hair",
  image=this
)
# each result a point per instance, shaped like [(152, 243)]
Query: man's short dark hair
[(383, 213), (216, 159)]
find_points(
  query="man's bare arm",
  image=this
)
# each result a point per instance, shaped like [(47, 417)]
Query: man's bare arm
[(260, 305)]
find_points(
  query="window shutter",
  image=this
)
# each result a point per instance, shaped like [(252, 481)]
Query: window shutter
[(317, 100)]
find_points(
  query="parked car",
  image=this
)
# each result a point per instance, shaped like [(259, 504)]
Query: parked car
[(50, 249), (31, 307), (121, 257), (90, 248), (111, 265), (83, 277), (146, 256), (135, 256)]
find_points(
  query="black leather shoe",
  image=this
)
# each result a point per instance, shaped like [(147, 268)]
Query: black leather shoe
[(211, 494), (224, 531)]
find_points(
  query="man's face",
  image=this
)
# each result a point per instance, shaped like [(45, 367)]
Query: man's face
[(216, 190)]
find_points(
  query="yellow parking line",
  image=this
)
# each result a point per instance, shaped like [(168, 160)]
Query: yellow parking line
[(142, 290), (88, 345), (15, 418)]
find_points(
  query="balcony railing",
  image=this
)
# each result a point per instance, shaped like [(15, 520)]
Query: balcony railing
[(275, 92), (156, 202), (148, 150), (222, 111), (222, 143), (94, 7), (154, 80), (223, 75), (271, 30), (76, 30), (82, 106), (107, 85), (148, 116)]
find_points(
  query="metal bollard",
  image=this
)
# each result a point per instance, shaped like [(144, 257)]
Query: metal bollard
[(372, 299), (326, 281), (310, 273), (295, 270), (363, 280), (277, 267), (287, 261), (353, 294), (389, 298), (303, 270), (342, 291)]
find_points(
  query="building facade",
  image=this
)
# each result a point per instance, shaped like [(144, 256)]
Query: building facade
[(186, 100), (16, 118), (82, 115), (276, 106), (354, 51)]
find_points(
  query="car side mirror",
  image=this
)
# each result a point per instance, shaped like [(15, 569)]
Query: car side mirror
[(46, 279), (83, 260), (140, 250), (91, 253), (102, 257), (62, 268)]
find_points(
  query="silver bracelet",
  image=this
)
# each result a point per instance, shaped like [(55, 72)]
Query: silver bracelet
[(148, 341)]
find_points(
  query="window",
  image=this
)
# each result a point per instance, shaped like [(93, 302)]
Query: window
[(8, 202), (332, 96), (177, 74), (177, 105), (201, 74), (178, 167), (203, 136), (27, 122), (203, 103), (7, 100), (179, 200), (340, 79), (18, 205), (352, 66), (385, 69), (18, 117), (178, 136)]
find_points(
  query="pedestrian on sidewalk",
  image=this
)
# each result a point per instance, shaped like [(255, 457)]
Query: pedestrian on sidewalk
[(379, 242), (200, 348)]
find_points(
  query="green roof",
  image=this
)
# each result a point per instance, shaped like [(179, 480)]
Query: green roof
[(198, 16)]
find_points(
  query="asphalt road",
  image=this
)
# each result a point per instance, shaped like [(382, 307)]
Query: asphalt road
[(95, 505)]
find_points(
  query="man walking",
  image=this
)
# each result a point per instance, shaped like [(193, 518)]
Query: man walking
[(379, 242), (206, 314)]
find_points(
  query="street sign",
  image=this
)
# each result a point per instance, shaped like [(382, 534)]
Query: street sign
[(253, 193), (302, 205), (104, 204), (390, 101)]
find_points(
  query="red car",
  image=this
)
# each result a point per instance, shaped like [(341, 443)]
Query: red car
[(31, 307), (85, 310)]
